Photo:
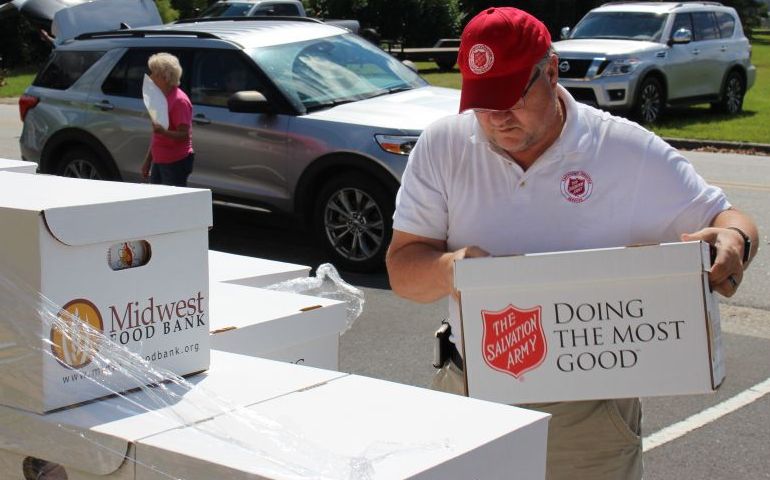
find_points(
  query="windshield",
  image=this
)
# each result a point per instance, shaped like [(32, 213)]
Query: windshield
[(621, 25), (328, 71), (226, 10)]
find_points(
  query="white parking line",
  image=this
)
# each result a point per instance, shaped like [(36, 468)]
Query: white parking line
[(672, 432)]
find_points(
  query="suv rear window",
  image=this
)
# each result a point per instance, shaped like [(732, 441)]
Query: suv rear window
[(125, 79), (726, 24), (65, 68)]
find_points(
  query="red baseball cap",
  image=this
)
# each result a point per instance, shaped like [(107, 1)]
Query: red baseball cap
[(498, 49)]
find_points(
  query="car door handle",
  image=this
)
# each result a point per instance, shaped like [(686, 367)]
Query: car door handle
[(201, 119), (723, 48), (104, 105), (696, 51)]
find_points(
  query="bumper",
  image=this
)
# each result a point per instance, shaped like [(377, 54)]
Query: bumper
[(751, 76), (607, 93)]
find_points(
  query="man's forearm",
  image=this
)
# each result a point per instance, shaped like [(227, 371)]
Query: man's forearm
[(420, 272)]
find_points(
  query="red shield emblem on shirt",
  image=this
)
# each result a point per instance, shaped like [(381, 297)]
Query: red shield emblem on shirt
[(513, 340), (576, 186)]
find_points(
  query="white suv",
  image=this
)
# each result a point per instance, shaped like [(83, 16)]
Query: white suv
[(640, 57)]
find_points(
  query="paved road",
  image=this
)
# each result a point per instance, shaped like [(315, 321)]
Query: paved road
[(392, 338)]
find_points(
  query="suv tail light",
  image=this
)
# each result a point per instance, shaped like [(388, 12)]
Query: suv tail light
[(26, 103)]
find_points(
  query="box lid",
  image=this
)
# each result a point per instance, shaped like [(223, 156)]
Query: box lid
[(17, 166), (71, 207), (255, 272), (399, 431), (283, 318), (605, 264), (109, 426)]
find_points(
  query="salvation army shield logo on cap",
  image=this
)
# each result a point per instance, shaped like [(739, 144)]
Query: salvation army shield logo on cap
[(480, 59), (513, 340), (576, 186)]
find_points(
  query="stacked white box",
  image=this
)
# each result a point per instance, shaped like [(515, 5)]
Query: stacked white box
[(17, 166), (277, 325), (251, 271), (57, 237), (314, 421)]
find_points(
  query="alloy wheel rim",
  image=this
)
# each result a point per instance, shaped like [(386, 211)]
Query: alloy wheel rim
[(650, 103), (354, 224), (82, 169), (733, 95)]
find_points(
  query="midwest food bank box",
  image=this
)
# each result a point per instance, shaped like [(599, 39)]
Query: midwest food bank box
[(591, 324), (128, 259), (282, 326), (18, 166)]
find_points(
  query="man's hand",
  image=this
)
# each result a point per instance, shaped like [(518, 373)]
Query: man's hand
[(421, 268), (727, 270)]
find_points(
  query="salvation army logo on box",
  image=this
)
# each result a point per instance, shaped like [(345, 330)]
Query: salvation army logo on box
[(72, 342), (513, 341)]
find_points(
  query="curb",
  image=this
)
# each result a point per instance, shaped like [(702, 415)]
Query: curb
[(719, 145)]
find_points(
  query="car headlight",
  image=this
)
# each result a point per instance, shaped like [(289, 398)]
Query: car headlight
[(398, 144), (621, 67)]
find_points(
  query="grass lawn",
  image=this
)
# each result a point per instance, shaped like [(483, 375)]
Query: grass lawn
[(696, 122), (17, 81)]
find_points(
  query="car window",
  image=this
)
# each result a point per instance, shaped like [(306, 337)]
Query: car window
[(64, 68), (621, 25), (682, 20), (125, 79), (323, 72), (726, 24), (279, 9), (217, 74), (705, 27), (227, 10)]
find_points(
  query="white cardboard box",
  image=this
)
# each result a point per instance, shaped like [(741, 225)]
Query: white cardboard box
[(112, 427), (387, 430), (591, 324), (18, 166), (277, 325), (56, 236), (251, 271)]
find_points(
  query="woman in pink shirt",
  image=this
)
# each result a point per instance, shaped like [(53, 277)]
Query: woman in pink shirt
[(171, 154)]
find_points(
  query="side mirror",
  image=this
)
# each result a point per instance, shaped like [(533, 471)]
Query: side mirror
[(410, 65), (564, 34), (249, 101), (681, 36)]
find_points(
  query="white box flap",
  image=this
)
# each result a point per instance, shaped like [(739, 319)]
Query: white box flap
[(122, 211), (283, 318), (18, 166), (567, 267), (114, 423)]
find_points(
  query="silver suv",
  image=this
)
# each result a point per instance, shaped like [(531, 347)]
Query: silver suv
[(642, 56), (289, 115)]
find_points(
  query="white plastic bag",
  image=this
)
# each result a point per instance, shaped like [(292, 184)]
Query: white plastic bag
[(155, 102)]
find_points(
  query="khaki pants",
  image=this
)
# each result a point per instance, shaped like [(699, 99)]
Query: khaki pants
[(588, 440)]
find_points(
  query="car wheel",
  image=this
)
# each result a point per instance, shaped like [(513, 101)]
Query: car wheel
[(82, 163), (650, 101), (353, 218), (732, 95)]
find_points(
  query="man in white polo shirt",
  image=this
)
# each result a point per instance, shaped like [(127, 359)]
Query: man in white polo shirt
[(524, 168)]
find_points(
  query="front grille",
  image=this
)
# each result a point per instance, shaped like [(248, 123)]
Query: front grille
[(573, 68), (584, 95)]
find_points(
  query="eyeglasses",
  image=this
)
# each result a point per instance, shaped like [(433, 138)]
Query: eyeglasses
[(520, 103)]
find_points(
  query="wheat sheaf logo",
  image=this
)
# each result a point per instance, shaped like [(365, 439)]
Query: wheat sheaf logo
[(72, 342)]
